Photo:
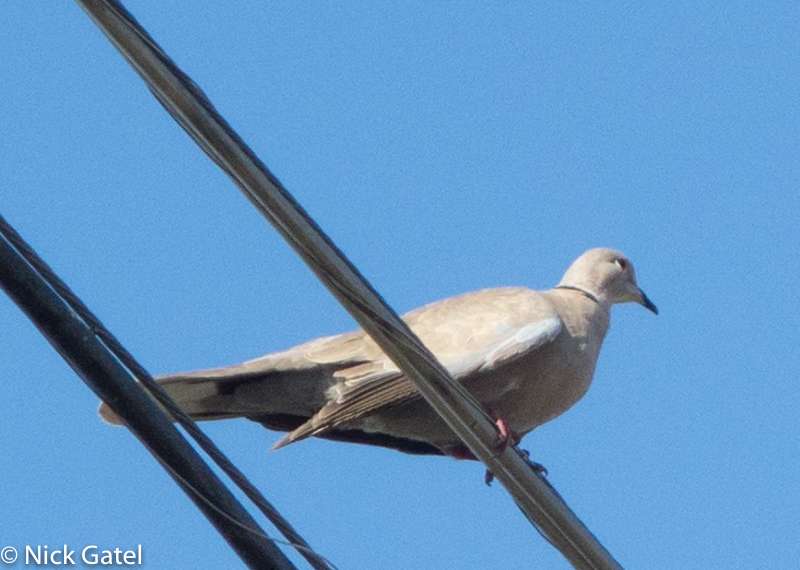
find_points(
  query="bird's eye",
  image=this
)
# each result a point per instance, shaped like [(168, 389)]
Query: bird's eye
[(623, 264)]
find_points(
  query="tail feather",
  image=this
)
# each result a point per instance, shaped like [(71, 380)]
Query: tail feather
[(223, 393)]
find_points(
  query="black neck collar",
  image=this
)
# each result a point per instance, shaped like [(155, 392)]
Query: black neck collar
[(583, 292)]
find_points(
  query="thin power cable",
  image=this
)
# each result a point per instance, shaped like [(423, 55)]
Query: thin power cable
[(75, 341), (127, 359), (211, 504)]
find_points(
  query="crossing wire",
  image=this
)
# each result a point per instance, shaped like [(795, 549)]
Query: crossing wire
[(194, 112), (78, 341)]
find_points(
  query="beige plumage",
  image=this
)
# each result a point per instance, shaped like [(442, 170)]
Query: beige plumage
[(527, 356)]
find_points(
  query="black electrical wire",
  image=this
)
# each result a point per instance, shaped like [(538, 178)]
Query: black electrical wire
[(16, 256)]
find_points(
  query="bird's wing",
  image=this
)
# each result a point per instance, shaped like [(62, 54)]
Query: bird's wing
[(472, 333), (481, 331)]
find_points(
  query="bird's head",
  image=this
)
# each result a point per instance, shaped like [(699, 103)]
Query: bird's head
[(608, 275)]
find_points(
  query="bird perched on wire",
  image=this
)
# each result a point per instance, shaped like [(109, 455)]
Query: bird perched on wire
[(527, 356)]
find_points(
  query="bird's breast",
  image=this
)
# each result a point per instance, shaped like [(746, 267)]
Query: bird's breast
[(541, 386)]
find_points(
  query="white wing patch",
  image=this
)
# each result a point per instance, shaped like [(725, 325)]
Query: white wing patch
[(525, 339)]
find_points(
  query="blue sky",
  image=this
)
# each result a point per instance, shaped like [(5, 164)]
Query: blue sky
[(445, 147)]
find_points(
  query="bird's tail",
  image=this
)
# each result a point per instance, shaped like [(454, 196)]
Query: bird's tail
[(279, 399), (200, 394)]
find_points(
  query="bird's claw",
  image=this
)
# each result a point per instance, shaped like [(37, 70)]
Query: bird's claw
[(537, 468), (506, 436)]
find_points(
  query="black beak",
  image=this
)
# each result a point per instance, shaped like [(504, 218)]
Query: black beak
[(647, 303)]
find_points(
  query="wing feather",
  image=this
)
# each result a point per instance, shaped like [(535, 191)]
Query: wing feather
[(476, 332)]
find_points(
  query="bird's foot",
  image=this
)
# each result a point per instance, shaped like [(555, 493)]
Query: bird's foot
[(537, 468), (506, 436)]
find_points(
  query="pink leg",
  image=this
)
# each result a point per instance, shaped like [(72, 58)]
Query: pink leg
[(507, 435)]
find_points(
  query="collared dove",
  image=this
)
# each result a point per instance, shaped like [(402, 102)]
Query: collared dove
[(527, 356)]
